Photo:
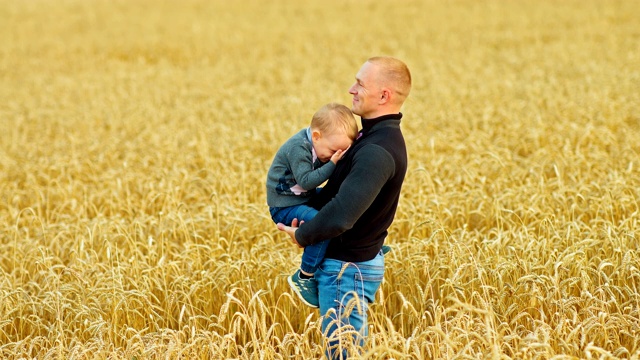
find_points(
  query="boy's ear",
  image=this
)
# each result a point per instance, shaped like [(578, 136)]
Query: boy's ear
[(316, 135)]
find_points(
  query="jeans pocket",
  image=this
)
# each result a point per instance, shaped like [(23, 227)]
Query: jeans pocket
[(366, 285), (329, 267)]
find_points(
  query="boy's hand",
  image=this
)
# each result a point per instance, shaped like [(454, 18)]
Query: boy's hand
[(338, 155)]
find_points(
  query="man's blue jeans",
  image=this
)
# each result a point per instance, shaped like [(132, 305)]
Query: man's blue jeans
[(345, 289), (312, 255)]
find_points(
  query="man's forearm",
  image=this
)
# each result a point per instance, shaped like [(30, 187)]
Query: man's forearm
[(356, 194)]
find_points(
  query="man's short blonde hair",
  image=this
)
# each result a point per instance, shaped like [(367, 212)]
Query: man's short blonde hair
[(394, 74), (332, 118)]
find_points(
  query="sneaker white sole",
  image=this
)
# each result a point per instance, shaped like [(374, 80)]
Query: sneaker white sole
[(295, 290)]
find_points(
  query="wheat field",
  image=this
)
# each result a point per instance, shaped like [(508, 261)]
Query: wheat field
[(136, 136)]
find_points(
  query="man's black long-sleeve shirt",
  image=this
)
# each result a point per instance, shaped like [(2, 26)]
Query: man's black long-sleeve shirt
[(359, 202)]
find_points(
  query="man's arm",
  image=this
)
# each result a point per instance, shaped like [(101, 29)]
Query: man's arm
[(372, 166)]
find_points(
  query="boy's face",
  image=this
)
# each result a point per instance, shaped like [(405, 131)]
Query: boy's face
[(326, 144)]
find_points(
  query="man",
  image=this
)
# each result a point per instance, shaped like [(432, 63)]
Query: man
[(358, 204)]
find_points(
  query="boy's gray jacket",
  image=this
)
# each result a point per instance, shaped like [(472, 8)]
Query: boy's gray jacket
[(295, 172)]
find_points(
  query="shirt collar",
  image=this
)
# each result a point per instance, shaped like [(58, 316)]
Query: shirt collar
[(367, 124)]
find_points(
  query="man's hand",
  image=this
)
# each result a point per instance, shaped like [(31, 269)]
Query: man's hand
[(291, 230)]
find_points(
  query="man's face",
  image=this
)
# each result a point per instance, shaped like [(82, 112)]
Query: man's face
[(326, 145), (365, 91)]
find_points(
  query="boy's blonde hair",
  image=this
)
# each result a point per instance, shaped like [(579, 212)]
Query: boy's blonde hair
[(334, 117)]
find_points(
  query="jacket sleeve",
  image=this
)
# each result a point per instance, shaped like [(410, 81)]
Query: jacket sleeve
[(301, 162), (372, 166)]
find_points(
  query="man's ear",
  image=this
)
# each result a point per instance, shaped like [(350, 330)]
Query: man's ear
[(385, 96)]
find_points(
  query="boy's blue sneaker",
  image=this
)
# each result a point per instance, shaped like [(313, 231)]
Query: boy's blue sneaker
[(306, 289), (385, 249)]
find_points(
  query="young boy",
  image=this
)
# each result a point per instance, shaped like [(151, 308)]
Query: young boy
[(301, 164)]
